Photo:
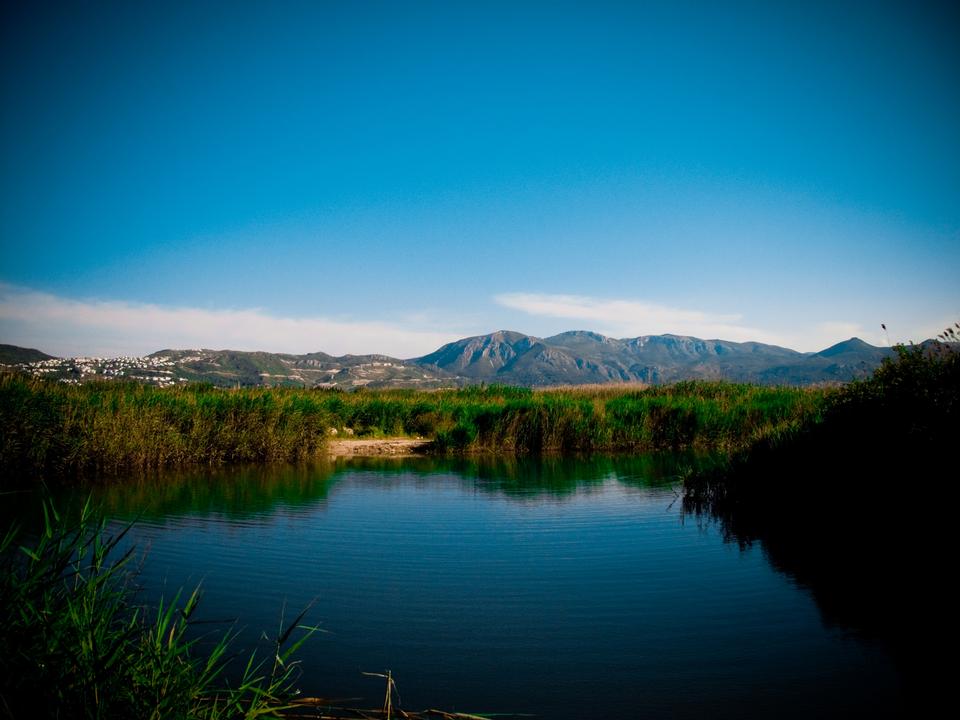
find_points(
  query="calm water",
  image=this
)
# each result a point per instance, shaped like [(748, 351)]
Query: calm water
[(567, 589)]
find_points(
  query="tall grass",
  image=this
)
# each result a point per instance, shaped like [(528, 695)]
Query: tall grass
[(58, 431), (76, 644), (55, 431), (697, 415)]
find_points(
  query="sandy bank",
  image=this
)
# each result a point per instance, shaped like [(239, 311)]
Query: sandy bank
[(383, 446)]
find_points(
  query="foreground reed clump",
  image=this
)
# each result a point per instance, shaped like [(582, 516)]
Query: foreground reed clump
[(76, 645), (58, 431)]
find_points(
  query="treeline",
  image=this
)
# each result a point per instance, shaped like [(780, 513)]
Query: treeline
[(106, 428)]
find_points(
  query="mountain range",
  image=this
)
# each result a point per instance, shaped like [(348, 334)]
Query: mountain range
[(570, 358), (579, 357)]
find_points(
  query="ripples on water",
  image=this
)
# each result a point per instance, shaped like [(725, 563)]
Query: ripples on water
[(568, 589)]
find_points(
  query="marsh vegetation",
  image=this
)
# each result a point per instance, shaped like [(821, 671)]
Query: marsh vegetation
[(105, 429)]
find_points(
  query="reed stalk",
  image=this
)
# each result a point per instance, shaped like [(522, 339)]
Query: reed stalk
[(77, 644)]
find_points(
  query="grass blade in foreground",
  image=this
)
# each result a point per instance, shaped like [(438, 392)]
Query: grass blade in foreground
[(77, 645)]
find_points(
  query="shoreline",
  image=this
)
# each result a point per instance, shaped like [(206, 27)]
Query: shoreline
[(394, 447)]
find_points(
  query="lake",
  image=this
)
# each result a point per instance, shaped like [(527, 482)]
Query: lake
[(564, 588)]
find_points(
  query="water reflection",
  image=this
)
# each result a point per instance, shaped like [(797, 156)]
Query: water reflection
[(254, 491), (565, 587), (856, 540), (523, 478), (237, 493)]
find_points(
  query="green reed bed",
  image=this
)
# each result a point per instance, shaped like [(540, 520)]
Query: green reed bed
[(495, 418), (708, 416), (56, 430), (78, 645)]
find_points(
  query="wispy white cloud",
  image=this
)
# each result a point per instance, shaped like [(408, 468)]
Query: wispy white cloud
[(67, 327), (631, 317), (628, 318)]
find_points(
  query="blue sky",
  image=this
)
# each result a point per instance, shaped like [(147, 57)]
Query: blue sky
[(360, 176)]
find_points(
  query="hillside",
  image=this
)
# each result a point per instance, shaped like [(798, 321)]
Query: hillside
[(230, 367), (571, 358), (579, 357), (13, 355)]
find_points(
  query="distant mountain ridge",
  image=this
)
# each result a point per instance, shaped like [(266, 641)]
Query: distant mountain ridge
[(575, 357), (12, 354), (582, 356)]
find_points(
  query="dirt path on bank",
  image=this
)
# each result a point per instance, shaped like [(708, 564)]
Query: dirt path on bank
[(383, 446)]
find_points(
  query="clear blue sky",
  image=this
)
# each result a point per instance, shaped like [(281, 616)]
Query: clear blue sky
[(359, 176)]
